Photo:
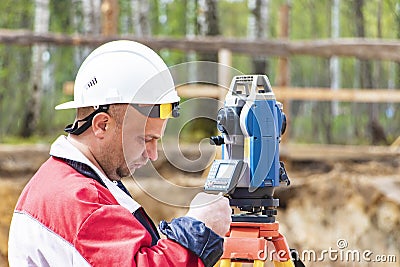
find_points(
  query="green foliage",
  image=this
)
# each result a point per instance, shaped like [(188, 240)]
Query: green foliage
[(64, 70), (198, 129), (16, 14), (305, 128), (60, 16), (312, 19), (156, 27), (13, 86), (125, 13), (233, 18), (309, 19), (175, 12), (14, 66)]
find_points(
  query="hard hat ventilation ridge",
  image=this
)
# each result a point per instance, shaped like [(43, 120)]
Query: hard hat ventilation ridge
[(74, 129), (91, 83)]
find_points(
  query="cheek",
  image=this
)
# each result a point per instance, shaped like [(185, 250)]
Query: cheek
[(132, 142), (133, 148)]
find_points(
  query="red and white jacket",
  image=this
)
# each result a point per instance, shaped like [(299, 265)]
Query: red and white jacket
[(70, 214)]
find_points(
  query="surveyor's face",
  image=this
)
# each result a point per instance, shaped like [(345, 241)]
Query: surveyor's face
[(140, 135)]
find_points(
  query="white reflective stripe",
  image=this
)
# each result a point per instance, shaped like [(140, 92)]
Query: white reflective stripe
[(62, 148), (33, 244)]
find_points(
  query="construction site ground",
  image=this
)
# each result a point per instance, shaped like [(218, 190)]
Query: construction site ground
[(338, 211)]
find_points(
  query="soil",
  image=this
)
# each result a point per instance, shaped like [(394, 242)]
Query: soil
[(353, 202)]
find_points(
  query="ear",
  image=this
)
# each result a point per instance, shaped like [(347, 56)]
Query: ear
[(101, 124)]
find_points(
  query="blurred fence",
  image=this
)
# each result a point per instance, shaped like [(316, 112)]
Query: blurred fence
[(360, 48)]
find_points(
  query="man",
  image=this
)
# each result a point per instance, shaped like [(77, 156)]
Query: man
[(76, 212)]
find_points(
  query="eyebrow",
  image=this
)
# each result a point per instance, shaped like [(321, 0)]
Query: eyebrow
[(152, 136)]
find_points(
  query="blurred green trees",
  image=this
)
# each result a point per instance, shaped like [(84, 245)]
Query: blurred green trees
[(309, 19)]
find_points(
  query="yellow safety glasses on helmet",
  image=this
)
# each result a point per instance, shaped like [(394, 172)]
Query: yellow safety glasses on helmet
[(162, 111)]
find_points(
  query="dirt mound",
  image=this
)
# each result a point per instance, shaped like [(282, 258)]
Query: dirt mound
[(353, 209), (10, 188), (351, 204)]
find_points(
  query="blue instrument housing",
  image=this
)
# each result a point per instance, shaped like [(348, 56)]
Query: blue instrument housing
[(263, 123)]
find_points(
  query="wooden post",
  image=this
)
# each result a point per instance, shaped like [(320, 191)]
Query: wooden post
[(110, 12), (224, 73), (282, 78), (224, 80)]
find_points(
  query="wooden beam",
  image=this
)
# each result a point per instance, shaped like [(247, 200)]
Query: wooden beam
[(344, 95), (224, 75), (198, 90), (362, 48), (316, 152), (304, 94)]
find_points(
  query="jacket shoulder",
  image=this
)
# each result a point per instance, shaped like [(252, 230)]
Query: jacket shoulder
[(61, 198)]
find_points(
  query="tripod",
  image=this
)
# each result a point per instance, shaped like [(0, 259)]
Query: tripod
[(249, 239), (247, 242)]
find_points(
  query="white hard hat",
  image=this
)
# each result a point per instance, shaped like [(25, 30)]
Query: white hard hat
[(122, 72)]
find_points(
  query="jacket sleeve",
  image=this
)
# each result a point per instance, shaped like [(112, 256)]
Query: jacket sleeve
[(111, 236), (195, 236)]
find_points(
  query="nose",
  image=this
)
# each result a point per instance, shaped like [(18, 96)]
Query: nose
[(151, 150)]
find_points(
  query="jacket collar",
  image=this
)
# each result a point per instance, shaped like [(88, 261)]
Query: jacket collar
[(62, 148)]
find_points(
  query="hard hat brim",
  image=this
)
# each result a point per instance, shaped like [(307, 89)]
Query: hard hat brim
[(74, 104), (67, 105)]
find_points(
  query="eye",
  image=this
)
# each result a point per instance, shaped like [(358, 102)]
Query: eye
[(148, 139)]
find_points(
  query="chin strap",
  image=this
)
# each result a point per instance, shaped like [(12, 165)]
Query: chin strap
[(74, 129)]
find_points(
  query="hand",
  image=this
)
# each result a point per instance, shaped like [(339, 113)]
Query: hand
[(213, 210)]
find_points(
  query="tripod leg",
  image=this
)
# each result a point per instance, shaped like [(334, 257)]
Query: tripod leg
[(258, 263), (225, 263), (281, 245), (288, 263)]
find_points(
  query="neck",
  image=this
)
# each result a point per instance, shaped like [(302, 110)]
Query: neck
[(81, 145)]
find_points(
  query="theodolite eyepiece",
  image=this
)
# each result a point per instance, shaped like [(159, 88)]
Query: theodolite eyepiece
[(217, 140)]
